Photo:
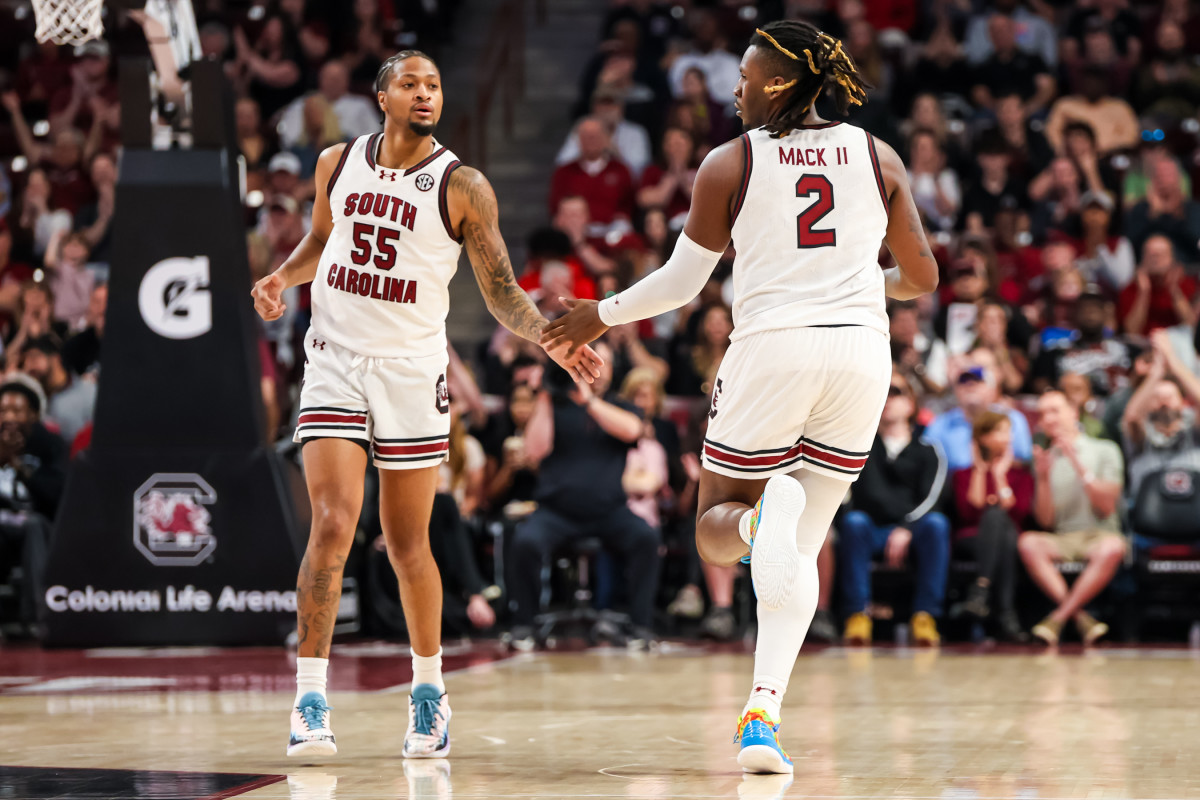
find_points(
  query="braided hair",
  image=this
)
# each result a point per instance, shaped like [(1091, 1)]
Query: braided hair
[(385, 69), (816, 62)]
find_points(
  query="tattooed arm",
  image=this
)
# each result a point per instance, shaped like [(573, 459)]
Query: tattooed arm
[(916, 272), (473, 208)]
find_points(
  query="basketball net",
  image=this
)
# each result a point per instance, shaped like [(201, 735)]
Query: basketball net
[(68, 21)]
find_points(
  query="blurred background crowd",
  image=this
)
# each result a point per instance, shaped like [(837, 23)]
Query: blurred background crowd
[(1040, 438)]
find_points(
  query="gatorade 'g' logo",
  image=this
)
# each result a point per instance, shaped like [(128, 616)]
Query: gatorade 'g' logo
[(174, 298)]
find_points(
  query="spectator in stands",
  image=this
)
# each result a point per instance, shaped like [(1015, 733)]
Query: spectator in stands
[(510, 478), (1160, 294), (1009, 70), (269, 69), (598, 177), (957, 321), (996, 187), (70, 279), (1091, 350), (991, 334), (320, 130), (33, 464), (1169, 84), (1028, 150), (1111, 16), (1057, 198), (254, 145), (283, 178), (355, 115), (1159, 425), (587, 245), (992, 499), (941, 67), (629, 139), (935, 187), (1078, 391), (711, 126), (976, 389), (81, 353), (1166, 211), (71, 401), (1105, 258), (61, 159), (1110, 118), (13, 275), (42, 73), (895, 511), (694, 366), (1141, 174), (1095, 171), (1078, 482), (91, 80), (667, 185), (580, 440), (94, 220), (919, 358), (1030, 32), (35, 318), (708, 53), (632, 354)]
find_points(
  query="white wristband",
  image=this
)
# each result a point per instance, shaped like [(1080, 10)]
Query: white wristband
[(667, 288)]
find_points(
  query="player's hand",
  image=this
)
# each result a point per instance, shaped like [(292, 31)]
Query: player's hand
[(583, 364), (896, 549), (576, 328), (268, 297)]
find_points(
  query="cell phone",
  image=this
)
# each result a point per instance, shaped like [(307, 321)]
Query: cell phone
[(1041, 440)]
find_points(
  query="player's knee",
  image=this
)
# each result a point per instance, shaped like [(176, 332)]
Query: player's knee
[(408, 548), (332, 526)]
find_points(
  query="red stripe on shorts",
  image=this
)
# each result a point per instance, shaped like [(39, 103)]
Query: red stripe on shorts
[(411, 449), (350, 419)]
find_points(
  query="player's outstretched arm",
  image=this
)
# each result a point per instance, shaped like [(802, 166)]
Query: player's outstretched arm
[(697, 251), (916, 272), (301, 265), (473, 201)]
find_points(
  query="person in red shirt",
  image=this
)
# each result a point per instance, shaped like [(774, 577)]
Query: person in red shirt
[(667, 184), (992, 499), (551, 244), (596, 175), (1160, 294)]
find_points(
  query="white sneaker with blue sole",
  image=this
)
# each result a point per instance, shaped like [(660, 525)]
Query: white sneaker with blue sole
[(311, 734)]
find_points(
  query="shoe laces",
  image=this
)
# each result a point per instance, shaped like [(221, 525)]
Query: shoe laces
[(425, 715), (755, 514), (314, 714), (754, 715)]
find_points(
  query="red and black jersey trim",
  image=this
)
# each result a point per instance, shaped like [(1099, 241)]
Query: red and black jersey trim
[(831, 458), (878, 172), (428, 448), (372, 143), (747, 165), (821, 126), (338, 169), (444, 201), (426, 162)]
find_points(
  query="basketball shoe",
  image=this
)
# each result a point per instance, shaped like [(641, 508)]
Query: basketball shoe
[(761, 751), (311, 735), (774, 560), (428, 734)]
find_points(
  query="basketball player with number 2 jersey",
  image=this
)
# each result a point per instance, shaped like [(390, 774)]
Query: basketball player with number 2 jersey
[(798, 397), (392, 212)]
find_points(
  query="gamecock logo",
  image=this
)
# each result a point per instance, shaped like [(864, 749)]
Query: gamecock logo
[(1177, 483), (171, 526), (443, 395)]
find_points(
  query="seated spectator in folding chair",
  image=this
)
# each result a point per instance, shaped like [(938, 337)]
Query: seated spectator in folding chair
[(1162, 445), (1077, 488), (894, 512)]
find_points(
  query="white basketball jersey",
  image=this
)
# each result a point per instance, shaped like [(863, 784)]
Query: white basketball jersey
[(382, 286), (808, 222)]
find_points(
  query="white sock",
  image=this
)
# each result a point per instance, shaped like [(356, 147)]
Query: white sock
[(428, 669), (310, 676), (744, 523), (781, 631)]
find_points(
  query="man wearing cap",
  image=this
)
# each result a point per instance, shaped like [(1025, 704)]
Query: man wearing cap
[(629, 139), (283, 175), (71, 107), (1090, 350), (976, 389), (32, 475)]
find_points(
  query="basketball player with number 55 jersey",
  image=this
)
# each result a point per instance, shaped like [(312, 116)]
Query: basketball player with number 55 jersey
[(391, 215), (798, 397)]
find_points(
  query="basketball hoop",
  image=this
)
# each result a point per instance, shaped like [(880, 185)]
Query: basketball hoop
[(68, 21)]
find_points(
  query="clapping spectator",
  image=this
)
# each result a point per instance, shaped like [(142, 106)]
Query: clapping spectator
[(70, 279), (1105, 257), (935, 187), (895, 512), (1078, 391), (629, 139), (1166, 211), (1077, 488), (919, 358), (91, 80), (35, 318), (992, 499), (510, 477), (1161, 293), (597, 176), (667, 185)]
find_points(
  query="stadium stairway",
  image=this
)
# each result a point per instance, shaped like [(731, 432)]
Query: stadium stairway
[(556, 52)]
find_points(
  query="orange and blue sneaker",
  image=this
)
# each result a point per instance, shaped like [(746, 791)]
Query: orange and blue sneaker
[(761, 752), (774, 560)]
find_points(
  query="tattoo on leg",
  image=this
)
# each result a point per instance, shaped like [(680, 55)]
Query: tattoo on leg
[(317, 595)]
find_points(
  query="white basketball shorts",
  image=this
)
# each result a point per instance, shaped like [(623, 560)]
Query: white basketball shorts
[(798, 398), (400, 406)]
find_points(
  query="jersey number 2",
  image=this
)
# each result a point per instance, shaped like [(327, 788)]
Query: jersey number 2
[(806, 235)]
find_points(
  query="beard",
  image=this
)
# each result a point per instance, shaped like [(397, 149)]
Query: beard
[(422, 128)]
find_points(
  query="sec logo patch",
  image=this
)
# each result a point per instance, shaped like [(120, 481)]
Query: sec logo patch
[(424, 181)]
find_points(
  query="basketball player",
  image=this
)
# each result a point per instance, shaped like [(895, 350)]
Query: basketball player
[(800, 392), (392, 212)]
